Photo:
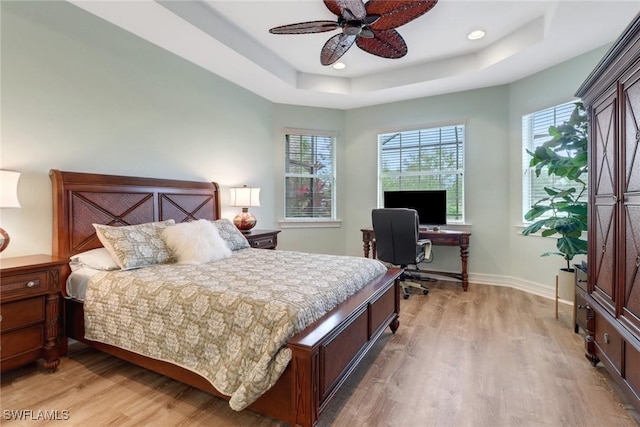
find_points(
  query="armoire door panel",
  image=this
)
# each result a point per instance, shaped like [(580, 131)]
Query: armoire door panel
[(631, 261), (631, 132), (604, 245), (604, 146), (629, 246)]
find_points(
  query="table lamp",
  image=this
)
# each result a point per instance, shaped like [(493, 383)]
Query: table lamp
[(8, 199), (245, 197)]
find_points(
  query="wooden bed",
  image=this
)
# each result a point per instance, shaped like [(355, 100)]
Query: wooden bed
[(324, 354)]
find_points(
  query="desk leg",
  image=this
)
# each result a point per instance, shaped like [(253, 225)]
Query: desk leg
[(365, 246), (368, 243), (464, 256)]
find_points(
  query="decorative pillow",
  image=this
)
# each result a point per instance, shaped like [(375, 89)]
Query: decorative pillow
[(98, 259), (134, 246), (196, 242), (230, 233)]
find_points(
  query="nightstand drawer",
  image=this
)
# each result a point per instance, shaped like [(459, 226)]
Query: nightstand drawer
[(21, 313), (22, 341), (24, 284), (581, 279), (581, 308), (263, 242)]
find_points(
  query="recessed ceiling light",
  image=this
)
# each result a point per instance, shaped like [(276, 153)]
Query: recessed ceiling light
[(475, 35), (339, 65)]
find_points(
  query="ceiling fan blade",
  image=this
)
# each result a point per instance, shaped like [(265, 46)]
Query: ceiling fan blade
[(305, 27), (335, 47), (355, 8), (396, 13), (387, 44)]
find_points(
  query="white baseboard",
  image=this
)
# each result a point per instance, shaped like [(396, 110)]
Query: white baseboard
[(515, 283)]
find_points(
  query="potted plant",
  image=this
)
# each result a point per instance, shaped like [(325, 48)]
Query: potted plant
[(563, 212)]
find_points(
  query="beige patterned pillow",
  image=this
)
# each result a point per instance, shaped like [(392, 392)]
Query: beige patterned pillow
[(230, 234), (134, 246)]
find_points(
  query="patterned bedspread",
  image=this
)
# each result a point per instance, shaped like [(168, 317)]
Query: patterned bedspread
[(227, 320)]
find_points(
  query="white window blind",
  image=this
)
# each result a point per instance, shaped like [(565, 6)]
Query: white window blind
[(425, 159), (535, 132), (309, 176)]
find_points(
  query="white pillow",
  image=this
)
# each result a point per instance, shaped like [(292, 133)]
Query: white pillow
[(195, 242), (99, 259)]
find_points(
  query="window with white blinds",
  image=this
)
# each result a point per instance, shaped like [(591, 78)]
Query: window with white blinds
[(425, 159), (309, 176), (535, 132)]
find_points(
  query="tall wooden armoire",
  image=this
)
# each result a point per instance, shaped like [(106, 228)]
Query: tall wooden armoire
[(611, 94)]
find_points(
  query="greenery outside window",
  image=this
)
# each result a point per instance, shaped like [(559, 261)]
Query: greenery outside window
[(425, 159), (535, 132), (309, 176)]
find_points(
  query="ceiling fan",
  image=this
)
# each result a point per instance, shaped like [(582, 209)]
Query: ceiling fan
[(371, 26)]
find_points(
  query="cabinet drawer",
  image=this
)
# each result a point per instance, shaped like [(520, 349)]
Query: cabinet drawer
[(22, 341), (21, 313), (581, 279), (263, 242), (609, 343), (24, 284), (632, 366), (580, 310)]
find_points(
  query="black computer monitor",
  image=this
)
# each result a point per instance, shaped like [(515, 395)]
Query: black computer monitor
[(431, 205)]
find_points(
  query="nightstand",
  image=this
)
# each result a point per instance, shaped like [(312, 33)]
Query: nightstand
[(263, 239), (29, 311), (580, 305)]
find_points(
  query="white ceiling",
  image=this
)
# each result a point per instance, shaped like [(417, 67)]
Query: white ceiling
[(232, 39)]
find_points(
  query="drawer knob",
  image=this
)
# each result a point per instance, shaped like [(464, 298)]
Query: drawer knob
[(31, 284), (584, 307)]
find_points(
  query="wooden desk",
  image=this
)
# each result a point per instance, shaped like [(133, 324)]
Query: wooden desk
[(438, 238)]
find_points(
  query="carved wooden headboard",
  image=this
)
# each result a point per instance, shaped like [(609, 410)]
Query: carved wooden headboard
[(82, 199)]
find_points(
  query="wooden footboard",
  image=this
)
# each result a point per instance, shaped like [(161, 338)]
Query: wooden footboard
[(324, 354)]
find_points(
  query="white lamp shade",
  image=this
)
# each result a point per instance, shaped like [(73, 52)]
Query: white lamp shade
[(245, 196), (9, 189)]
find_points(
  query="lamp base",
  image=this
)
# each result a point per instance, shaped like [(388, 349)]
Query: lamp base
[(4, 239), (245, 220)]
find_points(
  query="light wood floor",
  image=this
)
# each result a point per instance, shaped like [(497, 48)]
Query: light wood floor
[(492, 356)]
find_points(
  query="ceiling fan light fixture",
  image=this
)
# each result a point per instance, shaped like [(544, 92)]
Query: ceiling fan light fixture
[(370, 26), (476, 35), (339, 65)]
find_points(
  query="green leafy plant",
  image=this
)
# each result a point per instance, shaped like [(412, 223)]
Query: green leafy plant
[(563, 212)]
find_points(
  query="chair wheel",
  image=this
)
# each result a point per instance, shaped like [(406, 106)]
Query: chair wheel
[(406, 296), (425, 291)]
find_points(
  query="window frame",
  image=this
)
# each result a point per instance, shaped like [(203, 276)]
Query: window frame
[(457, 171), (312, 221), (528, 173)]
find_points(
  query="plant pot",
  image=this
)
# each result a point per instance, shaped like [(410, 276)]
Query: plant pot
[(566, 284)]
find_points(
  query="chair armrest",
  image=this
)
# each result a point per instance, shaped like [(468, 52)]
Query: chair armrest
[(424, 242), (426, 245)]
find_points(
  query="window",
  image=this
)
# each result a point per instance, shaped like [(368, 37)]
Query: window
[(309, 176), (425, 159), (535, 132)]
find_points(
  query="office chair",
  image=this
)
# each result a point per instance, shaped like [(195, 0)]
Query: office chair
[(397, 243)]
